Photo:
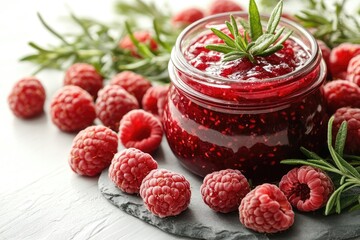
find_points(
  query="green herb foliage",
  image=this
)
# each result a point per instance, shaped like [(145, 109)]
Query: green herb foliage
[(334, 25), (260, 44), (97, 44), (344, 169)]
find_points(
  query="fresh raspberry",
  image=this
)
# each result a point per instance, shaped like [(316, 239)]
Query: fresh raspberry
[(143, 37), (165, 193), (112, 104), (129, 167), (352, 116), (141, 130), (85, 76), (153, 100), (92, 150), (325, 51), (266, 209), (187, 16), (72, 109), (27, 98), (306, 188), (224, 6), (135, 84), (223, 190), (341, 93), (353, 70), (340, 57)]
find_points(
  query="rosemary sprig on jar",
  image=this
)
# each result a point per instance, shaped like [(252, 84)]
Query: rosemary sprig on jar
[(253, 41)]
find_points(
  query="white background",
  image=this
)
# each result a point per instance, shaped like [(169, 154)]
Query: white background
[(40, 197)]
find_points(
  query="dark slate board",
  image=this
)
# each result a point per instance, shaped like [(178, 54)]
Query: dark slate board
[(200, 222)]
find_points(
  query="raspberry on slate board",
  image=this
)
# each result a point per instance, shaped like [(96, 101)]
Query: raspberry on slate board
[(307, 188), (165, 193), (223, 190), (265, 209), (129, 167)]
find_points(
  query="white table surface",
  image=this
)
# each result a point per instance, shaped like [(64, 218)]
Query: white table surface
[(40, 197)]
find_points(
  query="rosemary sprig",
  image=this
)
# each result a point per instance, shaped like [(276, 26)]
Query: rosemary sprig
[(260, 44), (97, 43), (334, 25), (345, 174)]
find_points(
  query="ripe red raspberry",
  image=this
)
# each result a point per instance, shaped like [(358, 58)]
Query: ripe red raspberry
[(85, 76), (187, 16), (341, 93), (129, 167), (325, 51), (27, 98), (340, 57), (266, 209), (143, 37), (112, 104), (353, 70), (135, 84), (306, 188), (223, 190), (141, 130), (224, 6), (92, 150), (352, 116), (165, 193), (154, 100), (72, 109)]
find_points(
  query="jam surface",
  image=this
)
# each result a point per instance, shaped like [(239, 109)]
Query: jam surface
[(288, 59), (206, 138)]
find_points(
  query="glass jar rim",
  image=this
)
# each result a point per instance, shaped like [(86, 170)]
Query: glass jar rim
[(202, 74)]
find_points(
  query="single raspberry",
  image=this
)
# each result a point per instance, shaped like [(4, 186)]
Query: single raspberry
[(141, 130), (72, 109), (153, 100), (92, 150), (266, 209), (223, 190), (340, 57), (187, 16), (224, 6), (325, 51), (135, 84), (306, 188), (352, 117), (85, 76), (353, 70), (341, 93), (165, 193), (129, 167), (112, 104), (143, 37), (27, 98)]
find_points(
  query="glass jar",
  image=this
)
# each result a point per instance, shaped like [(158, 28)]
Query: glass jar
[(213, 123)]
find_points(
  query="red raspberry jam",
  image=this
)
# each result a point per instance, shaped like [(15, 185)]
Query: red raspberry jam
[(241, 115)]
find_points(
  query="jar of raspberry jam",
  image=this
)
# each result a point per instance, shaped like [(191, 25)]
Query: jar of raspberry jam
[(242, 115)]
